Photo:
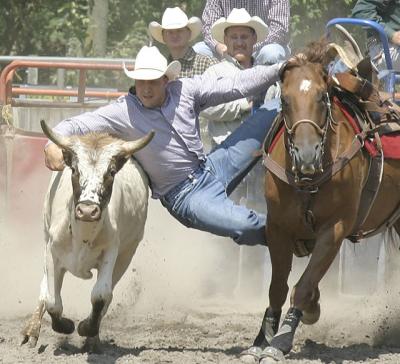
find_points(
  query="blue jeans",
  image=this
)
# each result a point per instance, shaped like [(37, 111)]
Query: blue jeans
[(269, 54), (201, 201)]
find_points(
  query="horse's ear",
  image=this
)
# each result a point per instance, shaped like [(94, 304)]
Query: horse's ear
[(282, 70), (290, 63), (366, 71)]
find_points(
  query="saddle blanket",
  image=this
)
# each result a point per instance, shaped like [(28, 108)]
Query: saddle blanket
[(390, 142)]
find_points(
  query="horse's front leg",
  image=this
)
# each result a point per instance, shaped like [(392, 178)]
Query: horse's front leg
[(101, 298), (304, 303), (281, 252)]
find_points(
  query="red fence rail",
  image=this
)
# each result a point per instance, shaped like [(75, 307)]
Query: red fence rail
[(7, 91)]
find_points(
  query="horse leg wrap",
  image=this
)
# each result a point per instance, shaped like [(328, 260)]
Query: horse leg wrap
[(283, 339), (269, 328)]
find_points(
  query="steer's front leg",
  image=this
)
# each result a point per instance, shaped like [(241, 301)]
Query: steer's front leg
[(101, 294), (54, 274)]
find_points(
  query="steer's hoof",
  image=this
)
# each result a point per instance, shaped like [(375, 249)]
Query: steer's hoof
[(251, 355), (271, 355), (86, 329), (31, 340), (63, 325)]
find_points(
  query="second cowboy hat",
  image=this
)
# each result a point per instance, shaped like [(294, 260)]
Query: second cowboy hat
[(174, 18), (239, 17), (150, 64)]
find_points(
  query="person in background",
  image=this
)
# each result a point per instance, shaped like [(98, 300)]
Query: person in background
[(239, 32), (275, 15), (176, 31), (387, 14), (191, 185)]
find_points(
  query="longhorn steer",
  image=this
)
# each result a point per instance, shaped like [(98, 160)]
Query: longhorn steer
[(94, 217)]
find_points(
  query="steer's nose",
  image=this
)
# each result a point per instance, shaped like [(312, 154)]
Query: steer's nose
[(87, 212)]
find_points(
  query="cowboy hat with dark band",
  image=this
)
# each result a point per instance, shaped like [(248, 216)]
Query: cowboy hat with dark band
[(150, 64)]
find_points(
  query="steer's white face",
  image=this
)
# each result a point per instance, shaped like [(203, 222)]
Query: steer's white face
[(94, 161), (95, 169)]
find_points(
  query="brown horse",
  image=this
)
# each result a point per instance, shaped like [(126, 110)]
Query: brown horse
[(316, 171)]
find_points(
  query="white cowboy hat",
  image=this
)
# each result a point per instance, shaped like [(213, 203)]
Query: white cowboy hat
[(150, 64), (175, 18), (239, 17)]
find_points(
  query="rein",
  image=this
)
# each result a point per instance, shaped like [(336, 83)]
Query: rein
[(308, 188), (339, 163), (321, 131), (313, 185)]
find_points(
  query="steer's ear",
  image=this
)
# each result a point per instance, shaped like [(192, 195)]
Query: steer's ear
[(128, 148)]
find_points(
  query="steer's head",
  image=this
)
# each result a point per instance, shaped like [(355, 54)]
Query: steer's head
[(94, 160)]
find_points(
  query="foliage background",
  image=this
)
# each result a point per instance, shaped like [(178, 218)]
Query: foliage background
[(62, 28)]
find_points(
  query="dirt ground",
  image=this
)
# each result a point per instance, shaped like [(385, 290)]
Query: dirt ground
[(183, 300)]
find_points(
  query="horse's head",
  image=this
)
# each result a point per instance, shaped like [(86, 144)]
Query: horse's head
[(306, 109)]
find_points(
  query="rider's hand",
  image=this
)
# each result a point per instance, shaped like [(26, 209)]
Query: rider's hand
[(396, 38), (221, 49), (54, 159)]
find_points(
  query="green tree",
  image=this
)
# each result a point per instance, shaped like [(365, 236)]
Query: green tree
[(309, 17)]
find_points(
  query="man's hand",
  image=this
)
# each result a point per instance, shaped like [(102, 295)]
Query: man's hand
[(396, 38), (54, 159), (221, 49)]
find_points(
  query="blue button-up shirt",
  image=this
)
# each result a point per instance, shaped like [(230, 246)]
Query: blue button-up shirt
[(176, 149)]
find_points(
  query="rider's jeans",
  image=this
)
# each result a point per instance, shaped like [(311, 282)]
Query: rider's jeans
[(201, 201)]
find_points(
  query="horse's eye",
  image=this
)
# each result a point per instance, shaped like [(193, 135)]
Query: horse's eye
[(320, 97), (285, 101)]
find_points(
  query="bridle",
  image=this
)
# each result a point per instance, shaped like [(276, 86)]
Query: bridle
[(321, 131)]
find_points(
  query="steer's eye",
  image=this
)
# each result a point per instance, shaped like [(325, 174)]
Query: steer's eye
[(113, 172)]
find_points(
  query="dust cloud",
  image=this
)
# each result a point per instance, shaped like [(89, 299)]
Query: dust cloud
[(177, 269), (174, 267)]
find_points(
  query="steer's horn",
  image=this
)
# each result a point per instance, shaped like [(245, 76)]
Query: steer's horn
[(131, 147), (56, 139)]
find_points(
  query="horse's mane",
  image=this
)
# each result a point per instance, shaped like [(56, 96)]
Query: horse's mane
[(315, 52)]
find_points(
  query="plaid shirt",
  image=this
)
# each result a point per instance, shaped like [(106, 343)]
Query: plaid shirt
[(194, 64), (275, 13)]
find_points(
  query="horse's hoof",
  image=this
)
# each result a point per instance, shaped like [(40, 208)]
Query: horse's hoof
[(311, 317), (251, 355), (271, 355), (63, 325)]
